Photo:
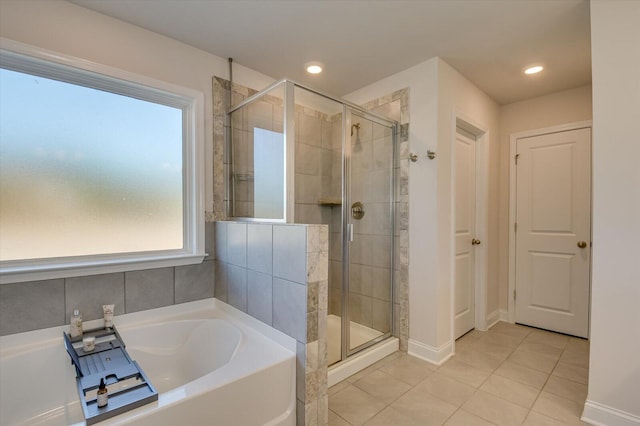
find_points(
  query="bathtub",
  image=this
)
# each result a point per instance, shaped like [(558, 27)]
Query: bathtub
[(211, 365)]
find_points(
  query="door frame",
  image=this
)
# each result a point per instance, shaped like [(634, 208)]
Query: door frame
[(513, 138), (481, 270)]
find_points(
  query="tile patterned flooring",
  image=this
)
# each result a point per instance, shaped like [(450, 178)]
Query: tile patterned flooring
[(509, 375)]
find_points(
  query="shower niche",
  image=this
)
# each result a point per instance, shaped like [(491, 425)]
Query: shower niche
[(300, 156)]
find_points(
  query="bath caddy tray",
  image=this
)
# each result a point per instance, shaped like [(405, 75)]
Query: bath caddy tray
[(128, 386)]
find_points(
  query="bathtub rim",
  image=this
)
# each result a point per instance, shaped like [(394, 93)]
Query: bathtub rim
[(12, 344)]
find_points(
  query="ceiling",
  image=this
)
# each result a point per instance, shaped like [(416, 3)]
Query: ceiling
[(362, 41)]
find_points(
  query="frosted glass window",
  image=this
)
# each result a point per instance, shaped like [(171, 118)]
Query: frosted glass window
[(268, 171), (85, 171), (101, 170)]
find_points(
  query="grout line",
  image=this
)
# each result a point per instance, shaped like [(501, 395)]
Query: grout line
[(342, 418)]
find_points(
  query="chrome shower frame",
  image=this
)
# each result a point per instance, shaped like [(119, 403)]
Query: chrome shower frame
[(347, 130), (348, 112)]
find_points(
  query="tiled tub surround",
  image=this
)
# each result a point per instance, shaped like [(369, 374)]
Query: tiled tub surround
[(277, 273), (40, 304)]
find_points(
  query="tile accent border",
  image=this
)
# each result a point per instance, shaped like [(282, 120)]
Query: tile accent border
[(401, 244), (223, 90)]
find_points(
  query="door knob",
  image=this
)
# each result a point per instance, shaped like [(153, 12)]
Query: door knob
[(582, 244), (475, 242)]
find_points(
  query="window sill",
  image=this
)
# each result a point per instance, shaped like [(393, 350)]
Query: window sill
[(77, 267)]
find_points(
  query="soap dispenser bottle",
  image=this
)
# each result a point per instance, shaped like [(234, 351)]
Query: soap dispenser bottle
[(75, 328)]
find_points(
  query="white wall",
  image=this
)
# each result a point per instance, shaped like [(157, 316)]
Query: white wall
[(73, 30), (437, 93), (459, 98), (614, 373), (563, 107)]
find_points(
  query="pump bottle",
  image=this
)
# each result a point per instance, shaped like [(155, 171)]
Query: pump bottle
[(75, 327), (103, 395)]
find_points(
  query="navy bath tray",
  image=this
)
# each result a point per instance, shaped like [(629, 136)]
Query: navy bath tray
[(128, 386)]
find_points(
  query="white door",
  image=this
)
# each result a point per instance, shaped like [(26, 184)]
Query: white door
[(465, 216), (553, 231)]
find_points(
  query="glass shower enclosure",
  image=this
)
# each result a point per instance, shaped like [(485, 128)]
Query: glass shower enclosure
[(301, 156)]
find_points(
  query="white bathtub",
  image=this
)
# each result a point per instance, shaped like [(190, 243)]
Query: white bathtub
[(211, 365)]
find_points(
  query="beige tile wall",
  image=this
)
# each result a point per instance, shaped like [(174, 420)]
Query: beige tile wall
[(314, 165), (396, 107), (312, 132), (277, 273), (370, 256)]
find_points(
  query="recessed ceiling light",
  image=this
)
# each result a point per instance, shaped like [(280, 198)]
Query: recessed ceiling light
[(534, 70), (314, 67)]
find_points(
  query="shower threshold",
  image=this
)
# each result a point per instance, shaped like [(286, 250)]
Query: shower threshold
[(360, 334)]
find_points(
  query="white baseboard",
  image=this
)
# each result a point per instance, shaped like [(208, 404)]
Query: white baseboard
[(504, 315), (430, 353), (601, 415), (493, 318)]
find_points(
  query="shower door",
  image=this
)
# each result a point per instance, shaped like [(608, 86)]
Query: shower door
[(368, 227)]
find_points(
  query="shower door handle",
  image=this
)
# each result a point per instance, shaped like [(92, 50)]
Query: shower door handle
[(350, 231)]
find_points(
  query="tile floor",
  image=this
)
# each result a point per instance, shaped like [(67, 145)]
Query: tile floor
[(509, 375)]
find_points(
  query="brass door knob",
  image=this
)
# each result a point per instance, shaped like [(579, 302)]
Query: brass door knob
[(582, 244), (475, 242)]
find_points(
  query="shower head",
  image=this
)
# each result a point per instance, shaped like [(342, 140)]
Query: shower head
[(357, 146)]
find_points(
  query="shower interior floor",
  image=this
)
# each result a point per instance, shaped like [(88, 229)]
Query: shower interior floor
[(359, 334)]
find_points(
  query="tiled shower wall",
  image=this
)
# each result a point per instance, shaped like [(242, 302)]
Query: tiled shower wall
[(277, 273), (396, 107), (317, 155), (265, 113), (369, 295), (34, 305), (311, 131), (317, 183), (372, 246)]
